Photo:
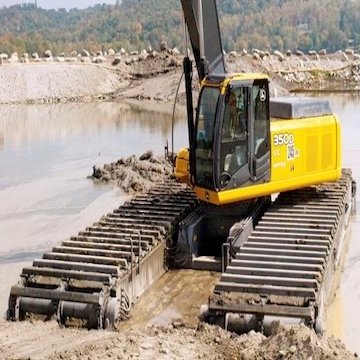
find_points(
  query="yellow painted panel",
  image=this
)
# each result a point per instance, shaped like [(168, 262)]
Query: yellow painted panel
[(303, 152), (302, 147)]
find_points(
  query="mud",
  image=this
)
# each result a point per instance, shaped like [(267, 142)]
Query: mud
[(178, 340), (134, 174)]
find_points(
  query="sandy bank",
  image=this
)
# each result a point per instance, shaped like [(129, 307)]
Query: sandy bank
[(57, 82)]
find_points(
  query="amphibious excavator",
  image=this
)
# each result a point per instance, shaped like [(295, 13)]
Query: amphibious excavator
[(260, 196)]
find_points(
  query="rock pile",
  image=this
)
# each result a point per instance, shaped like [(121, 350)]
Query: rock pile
[(134, 174), (291, 342)]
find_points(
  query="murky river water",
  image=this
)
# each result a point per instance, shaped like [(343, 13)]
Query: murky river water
[(46, 152)]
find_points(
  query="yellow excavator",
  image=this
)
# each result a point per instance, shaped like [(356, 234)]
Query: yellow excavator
[(260, 197), (236, 151), (277, 257)]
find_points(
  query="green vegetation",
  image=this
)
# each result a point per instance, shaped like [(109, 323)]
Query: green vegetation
[(136, 24)]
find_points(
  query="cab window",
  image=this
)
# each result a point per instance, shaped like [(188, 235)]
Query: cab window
[(261, 123), (234, 142)]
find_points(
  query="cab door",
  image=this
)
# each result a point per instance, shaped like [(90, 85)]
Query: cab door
[(259, 133), (233, 164), (244, 156)]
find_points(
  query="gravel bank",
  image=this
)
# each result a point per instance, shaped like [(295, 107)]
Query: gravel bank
[(156, 77)]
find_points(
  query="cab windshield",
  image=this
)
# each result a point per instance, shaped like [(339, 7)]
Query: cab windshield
[(204, 144)]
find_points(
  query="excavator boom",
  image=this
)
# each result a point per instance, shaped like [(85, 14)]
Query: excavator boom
[(204, 33)]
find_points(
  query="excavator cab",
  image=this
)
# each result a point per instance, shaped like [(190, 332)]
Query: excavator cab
[(230, 147), (232, 130)]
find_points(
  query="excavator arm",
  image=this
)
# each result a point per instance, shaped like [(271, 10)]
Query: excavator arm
[(202, 22)]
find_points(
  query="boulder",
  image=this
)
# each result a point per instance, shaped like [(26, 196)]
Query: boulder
[(154, 54), (312, 52), (322, 52), (143, 55), (74, 53), (174, 62), (14, 58), (98, 59), (47, 53), (122, 51), (35, 55), (85, 53), (4, 56), (111, 52), (128, 61), (279, 55), (85, 60), (299, 53), (349, 52), (116, 61), (262, 54), (344, 57), (163, 45)]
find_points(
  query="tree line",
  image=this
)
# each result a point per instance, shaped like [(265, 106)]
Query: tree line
[(136, 24)]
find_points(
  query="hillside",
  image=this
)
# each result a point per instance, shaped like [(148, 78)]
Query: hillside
[(264, 24)]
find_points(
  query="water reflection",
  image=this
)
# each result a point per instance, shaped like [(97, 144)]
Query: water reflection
[(23, 124), (43, 140)]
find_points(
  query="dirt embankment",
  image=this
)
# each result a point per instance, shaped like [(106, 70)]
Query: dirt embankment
[(156, 77)]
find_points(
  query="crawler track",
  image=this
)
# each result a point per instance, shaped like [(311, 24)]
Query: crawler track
[(96, 275), (286, 267)]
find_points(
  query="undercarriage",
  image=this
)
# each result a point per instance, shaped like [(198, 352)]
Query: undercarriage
[(277, 258)]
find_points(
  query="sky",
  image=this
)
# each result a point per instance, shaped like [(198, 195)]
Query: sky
[(55, 4)]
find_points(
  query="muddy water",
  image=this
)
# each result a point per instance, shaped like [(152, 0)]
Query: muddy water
[(346, 307), (46, 152)]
